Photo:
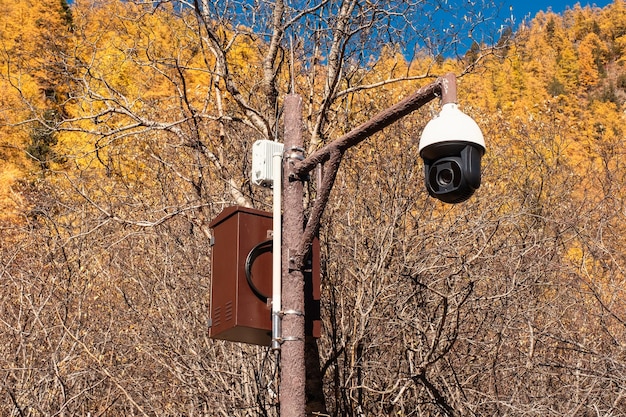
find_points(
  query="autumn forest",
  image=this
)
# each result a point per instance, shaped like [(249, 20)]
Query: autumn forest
[(127, 126)]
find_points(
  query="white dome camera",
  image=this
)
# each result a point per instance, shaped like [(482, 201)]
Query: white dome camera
[(452, 146)]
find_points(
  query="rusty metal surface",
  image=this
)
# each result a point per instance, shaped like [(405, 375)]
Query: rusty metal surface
[(331, 154), (292, 364), (297, 238), (237, 314), (444, 86)]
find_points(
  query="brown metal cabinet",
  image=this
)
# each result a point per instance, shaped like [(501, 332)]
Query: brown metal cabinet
[(237, 313)]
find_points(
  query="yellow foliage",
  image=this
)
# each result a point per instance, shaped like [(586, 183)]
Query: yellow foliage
[(148, 64), (11, 203), (31, 33)]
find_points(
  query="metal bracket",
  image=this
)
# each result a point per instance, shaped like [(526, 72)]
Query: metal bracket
[(292, 313), (291, 339), (296, 153), (292, 260), (291, 153)]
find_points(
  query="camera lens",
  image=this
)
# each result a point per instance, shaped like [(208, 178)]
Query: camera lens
[(445, 177), (452, 170)]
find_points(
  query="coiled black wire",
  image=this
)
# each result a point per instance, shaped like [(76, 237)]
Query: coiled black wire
[(255, 252)]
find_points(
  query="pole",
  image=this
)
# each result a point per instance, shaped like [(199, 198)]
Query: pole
[(292, 363), (297, 238)]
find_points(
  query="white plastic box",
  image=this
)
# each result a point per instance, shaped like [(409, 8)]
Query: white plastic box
[(262, 153)]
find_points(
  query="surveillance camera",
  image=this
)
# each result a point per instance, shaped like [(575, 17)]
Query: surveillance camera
[(452, 146)]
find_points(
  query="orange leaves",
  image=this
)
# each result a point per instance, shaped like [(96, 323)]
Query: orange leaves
[(32, 33), (10, 200), (592, 56)]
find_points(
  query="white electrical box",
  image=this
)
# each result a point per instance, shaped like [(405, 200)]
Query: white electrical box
[(262, 153)]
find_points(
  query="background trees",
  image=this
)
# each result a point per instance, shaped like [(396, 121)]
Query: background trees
[(126, 127)]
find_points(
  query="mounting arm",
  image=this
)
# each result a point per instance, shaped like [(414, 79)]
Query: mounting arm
[(331, 154)]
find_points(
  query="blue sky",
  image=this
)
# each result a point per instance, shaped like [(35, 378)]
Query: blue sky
[(525, 8), (521, 10), (529, 8)]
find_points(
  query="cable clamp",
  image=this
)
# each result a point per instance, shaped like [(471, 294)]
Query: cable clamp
[(292, 339), (296, 149), (292, 313), (295, 152)]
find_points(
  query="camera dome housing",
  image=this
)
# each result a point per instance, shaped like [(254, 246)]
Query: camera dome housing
[(452, 146)]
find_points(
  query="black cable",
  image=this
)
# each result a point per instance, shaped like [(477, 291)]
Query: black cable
[(255, 252)]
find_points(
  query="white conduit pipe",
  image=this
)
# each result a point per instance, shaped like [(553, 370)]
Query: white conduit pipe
[(277, 170)]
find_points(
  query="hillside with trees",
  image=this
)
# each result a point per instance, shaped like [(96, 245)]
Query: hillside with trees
[(127, 126)]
